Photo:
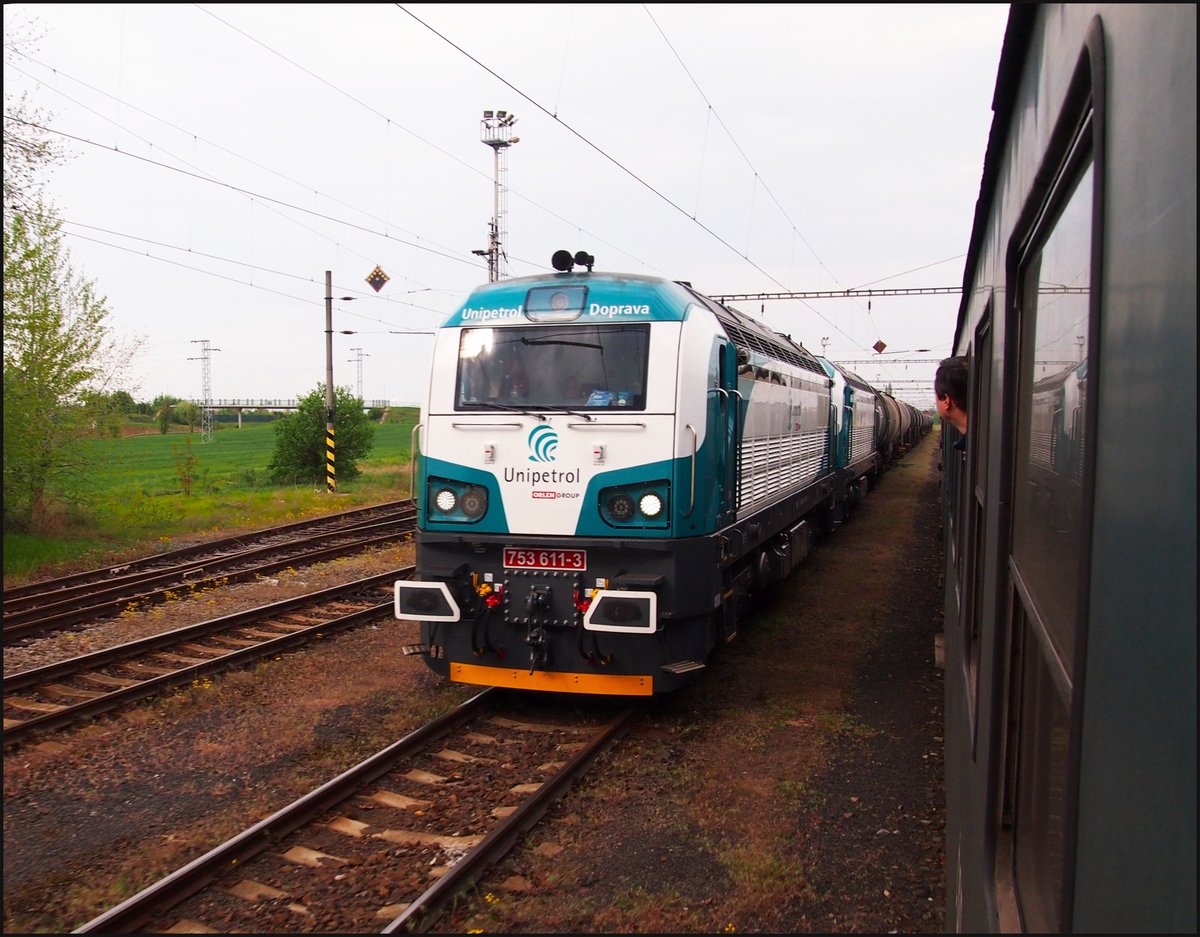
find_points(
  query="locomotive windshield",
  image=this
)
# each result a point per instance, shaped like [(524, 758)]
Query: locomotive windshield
[(581, 367)]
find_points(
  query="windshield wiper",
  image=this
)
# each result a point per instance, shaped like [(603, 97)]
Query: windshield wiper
[(489, 405), (558, 409), (560, 341)]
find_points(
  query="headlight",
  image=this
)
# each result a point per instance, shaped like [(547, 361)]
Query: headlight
[(474, 502), (650, 505), (637, 505), (451, 501), (621, 507)]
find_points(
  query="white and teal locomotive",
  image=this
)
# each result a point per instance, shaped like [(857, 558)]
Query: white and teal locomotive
[(610, 465)]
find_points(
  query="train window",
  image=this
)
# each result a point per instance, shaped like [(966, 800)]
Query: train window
[(1049, 541), (955, 482), (981, 380), (558, 303), (576, 367), (1048, 498), (1039, 813)]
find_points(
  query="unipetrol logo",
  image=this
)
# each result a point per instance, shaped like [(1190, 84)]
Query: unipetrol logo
[(543, 443), (472, 314), (481, 314)]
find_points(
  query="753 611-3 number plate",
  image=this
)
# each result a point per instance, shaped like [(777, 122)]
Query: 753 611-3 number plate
[(534, 558)]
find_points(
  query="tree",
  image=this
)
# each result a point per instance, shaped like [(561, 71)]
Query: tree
[(189, 413), (60, 360), (121, 402), (59, 363), (163, 407), (28, 148), (299, 455)]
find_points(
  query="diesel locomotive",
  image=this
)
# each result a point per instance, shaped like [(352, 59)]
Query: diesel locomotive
[(610, 466)]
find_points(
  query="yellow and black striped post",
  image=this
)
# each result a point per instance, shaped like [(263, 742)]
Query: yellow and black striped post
[(330, 460), (330, 468)]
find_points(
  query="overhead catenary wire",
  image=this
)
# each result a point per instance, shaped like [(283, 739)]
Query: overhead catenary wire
[(390, 122), (625, 169), (358, 101)]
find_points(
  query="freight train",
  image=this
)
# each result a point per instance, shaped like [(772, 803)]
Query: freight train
[(1070, 517), (610, 467)]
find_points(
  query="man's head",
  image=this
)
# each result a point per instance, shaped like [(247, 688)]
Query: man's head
[(572, 387), (950, 388)]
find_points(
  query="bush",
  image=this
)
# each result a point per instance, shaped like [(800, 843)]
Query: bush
[(300, 445)]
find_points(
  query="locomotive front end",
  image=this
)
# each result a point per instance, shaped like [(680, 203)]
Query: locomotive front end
[(560, 502)]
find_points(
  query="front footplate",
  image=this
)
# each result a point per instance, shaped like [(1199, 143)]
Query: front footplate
[(683, 666)]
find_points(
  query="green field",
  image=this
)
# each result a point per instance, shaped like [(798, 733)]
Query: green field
[(134, 499), (232, 459)]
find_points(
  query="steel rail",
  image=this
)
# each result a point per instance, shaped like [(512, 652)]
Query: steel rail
[(168, 892), (18, 608), (155, 901), (77, 615), (210, 546), (17, 732), (424, 911)]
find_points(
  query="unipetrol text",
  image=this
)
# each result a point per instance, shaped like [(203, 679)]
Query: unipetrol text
[(483, 315), (540, 477), (472, 314)]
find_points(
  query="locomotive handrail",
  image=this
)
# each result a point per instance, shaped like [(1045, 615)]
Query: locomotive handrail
[(606, 425), (486, 425), (413, 452), (726, 501), (692, 503), (737, 448)]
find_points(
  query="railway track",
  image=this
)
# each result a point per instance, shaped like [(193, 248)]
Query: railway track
[(169, 558), (49, 698), (74, 601), (383, 846)]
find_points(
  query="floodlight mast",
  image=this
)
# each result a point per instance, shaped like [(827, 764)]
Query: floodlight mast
[(495, 129)]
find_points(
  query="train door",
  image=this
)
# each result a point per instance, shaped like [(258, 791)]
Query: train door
[(879, 437), (835, 456), (1048, 555), (846, 435), (729, 416)]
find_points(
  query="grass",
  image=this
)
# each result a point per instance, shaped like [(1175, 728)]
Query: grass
[(135, 499)]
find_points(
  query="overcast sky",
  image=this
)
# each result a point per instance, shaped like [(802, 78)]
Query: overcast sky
[(224, 156)]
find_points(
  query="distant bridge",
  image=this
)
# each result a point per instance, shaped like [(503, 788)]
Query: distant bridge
[(238, 404), (247, 403)]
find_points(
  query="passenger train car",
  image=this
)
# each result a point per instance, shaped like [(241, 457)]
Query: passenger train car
[(1070, 518), (610, 466)]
